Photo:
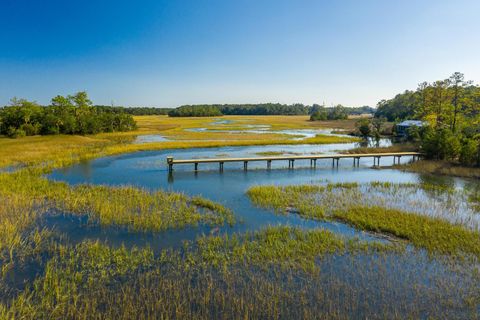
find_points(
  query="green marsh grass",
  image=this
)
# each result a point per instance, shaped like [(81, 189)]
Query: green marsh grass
[(127, 206), (403, 210), (246, 277)]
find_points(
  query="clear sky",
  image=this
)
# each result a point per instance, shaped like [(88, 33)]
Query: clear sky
[(168, 53)]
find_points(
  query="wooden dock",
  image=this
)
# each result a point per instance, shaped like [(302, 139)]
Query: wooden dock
[(291, 159)]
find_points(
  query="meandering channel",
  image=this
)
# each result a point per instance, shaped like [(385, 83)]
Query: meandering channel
[(149, 170)]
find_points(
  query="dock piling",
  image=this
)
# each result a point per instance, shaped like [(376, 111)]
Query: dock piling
[(170, 164)]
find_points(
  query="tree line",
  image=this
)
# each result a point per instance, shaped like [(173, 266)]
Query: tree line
[(72, 114), (451, 108), (136, 111), (208, 110)]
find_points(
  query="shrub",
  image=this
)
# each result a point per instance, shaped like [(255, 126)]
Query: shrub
[(364, 127), (15, 133), (469, 152)]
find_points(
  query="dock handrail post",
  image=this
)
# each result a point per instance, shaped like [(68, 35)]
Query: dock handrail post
[(170, 164), (269, 164), (245, 165)]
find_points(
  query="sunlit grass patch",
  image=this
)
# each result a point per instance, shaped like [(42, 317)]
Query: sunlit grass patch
[(19, 238), (384, 207), (134, 208), (434, 235), (290, 247)]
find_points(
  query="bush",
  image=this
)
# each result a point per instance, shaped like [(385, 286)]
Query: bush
[(449, 145), (442, 144), (337, 113), (15, 133), (30, 129), (469, 152), (319, 115), (364, 127)]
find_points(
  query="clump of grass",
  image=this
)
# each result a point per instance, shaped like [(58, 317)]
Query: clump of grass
[(290, 247), (134, 208), (221, 213), (287, 199), (434, 235)]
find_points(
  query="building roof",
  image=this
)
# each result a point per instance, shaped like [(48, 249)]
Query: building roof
[(409, 123)]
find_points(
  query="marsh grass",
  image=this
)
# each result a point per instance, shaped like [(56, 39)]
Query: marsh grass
[(403, 147), (426, 217), (19, 239), (49, 152), (246, 277), (279, 272), (441, 168), (134, 208), (433, 234), (286, 246)]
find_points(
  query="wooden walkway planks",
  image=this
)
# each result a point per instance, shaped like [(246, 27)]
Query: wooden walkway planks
[(291, 159)]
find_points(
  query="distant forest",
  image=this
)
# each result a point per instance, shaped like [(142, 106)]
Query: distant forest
[(136, 111), (258, 109)]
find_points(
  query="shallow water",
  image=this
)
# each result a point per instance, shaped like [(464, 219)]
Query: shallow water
[(298, 134), (150, 138), (149, 170), (410, 282)]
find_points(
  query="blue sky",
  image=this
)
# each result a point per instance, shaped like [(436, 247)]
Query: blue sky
[(168, 53)]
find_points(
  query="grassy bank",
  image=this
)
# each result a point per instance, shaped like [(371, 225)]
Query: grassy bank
[(441, 168), (404, 147), (131, 207)]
